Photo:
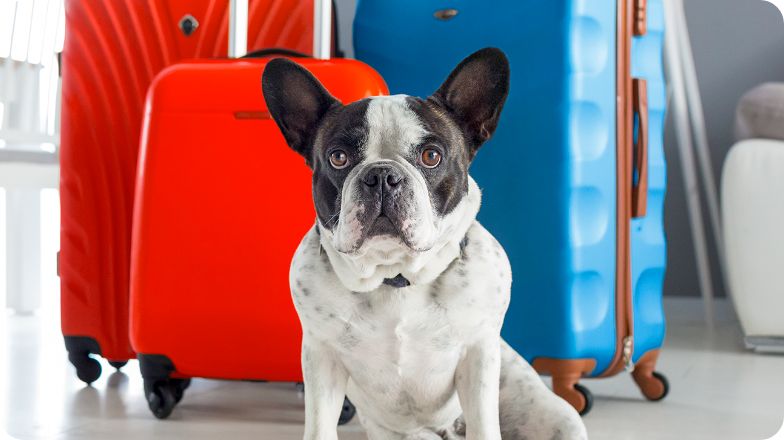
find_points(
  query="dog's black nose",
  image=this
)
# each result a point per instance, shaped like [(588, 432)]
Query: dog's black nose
[(388, 176)]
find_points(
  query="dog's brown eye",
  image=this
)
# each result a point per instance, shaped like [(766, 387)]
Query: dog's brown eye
[(338, 159), (430, 157)]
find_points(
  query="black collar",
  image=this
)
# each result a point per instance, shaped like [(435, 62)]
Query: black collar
[(401, 281), (397, 282)]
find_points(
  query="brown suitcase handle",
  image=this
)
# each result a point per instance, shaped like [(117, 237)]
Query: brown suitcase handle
[(640, 152), (640, 26)]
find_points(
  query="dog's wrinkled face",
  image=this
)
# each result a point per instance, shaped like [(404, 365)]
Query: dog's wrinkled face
[(389, 169)]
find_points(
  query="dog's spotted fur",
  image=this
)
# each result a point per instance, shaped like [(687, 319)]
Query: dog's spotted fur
[(424, 361)]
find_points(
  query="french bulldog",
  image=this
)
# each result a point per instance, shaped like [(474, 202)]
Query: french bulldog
[(401, 293)]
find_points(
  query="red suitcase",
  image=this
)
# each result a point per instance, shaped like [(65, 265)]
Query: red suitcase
[(113, 49), (221, 205)]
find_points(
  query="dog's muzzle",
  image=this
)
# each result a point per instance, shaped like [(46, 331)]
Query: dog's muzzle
[(381, 189)]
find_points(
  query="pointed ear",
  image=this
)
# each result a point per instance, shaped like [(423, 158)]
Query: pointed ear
[(297, 102), (474, 94)]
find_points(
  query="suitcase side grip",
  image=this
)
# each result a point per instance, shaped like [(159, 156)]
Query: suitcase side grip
[(640, 148), (640, 26)]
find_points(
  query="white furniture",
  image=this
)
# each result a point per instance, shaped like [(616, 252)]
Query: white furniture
[(752, 194), (30, 37)]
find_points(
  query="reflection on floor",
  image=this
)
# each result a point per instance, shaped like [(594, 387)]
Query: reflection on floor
[(718, 391)]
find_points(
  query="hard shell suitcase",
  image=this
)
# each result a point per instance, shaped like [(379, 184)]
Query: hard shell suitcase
[(222, 204), (113, 49), (573, 180)]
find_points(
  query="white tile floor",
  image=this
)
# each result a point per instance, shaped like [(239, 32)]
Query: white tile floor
[(718, 391)]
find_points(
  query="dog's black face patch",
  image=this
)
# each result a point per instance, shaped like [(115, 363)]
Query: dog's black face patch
[(448, 182), (343, 129), (390, 166)]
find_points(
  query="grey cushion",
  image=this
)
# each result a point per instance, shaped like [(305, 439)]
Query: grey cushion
[(760, 113)]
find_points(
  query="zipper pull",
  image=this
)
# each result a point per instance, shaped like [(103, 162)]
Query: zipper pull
[(628, 350)]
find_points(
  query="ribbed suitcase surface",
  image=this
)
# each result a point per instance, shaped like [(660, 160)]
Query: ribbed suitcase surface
[(113, 49), (550, 175)]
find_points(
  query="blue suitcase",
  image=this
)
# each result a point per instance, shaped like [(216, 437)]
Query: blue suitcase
[(573, 180)]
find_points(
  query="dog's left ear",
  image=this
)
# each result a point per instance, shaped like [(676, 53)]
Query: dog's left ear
[(475, 92), (297, 102)]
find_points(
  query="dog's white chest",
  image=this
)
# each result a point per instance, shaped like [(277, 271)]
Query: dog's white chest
[(401, 349), (402, 346), (402, 331)]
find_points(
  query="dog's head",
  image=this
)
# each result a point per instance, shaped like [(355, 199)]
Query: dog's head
[(390, 171)]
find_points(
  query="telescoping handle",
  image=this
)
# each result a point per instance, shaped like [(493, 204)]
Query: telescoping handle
[(238, 28), (322, 28)]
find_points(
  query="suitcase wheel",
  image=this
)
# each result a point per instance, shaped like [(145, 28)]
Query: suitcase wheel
[(586, 397), (161, 397), (88, 370), (164, 395), (118, 364), (567, 387), (654, 386), (79, 349), (346, 412), (180, 385)]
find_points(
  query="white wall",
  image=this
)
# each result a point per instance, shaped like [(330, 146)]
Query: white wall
[(345, 17), (737, 44)]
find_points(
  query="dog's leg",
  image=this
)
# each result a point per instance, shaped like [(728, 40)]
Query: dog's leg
[(529, 410), (325, 388), (477, 387)]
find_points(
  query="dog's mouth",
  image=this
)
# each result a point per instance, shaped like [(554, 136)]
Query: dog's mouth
[(378, 224), (383, 225)]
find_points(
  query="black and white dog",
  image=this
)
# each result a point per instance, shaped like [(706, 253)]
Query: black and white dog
[(400, 291)]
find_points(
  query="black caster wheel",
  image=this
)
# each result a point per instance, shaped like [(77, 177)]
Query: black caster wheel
[(665, 387), (653, 385), (118, 364), (586, 393), (346, 412), (161, 398), (178, 387), (665, 383), (88, 370)]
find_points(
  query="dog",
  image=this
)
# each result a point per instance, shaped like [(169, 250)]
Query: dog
[(401, 293)]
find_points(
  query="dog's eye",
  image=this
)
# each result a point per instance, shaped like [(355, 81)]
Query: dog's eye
[(430, 157), (338, 159)]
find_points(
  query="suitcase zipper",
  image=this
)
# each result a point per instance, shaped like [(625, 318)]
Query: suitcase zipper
[(628, 352), (636, 18), (629, 13)]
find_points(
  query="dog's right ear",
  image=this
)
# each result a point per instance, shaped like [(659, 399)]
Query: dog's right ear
[(475, 92), (297, 102)]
